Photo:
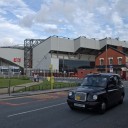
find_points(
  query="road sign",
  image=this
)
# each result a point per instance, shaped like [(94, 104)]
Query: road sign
[(111, 69)]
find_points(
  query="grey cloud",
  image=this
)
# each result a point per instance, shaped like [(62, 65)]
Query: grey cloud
[(6, 41), (51, 28), (122, 7), (91, 18), (27, 21)]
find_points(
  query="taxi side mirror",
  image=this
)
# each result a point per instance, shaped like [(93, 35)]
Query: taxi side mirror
[(111, 82), (78, 84)]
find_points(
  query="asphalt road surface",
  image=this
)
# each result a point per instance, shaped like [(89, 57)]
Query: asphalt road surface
[(51, 111)]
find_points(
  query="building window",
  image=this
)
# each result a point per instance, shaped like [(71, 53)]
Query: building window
[(73, 65), (119, 60), (101, 61), (110, 61)]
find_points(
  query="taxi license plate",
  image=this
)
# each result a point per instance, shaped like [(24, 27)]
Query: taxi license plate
[(77, 97), (79, 105)]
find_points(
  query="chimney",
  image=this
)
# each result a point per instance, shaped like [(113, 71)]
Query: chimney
[(120, 48)]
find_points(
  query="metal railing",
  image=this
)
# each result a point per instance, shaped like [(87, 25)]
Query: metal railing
[(34, 87), (22, 87), (59, 83), (4, 89)]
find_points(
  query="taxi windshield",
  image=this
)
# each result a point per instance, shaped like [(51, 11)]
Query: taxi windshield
[(95, 80)]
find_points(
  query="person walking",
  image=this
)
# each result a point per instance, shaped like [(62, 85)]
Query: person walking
[(35, 77)]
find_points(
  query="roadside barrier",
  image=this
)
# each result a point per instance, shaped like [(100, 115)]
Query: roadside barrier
[(34, 88), (4, 90), (62, 82), (19, 87)]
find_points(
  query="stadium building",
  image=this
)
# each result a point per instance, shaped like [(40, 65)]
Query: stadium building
[(59, 53)]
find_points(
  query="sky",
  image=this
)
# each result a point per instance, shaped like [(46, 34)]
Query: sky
[(39, 19)]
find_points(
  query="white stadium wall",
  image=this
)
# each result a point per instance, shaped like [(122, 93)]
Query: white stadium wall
[(41, 56), (114, 42), (83, 42), (55, 63), (89, 43), (15, 56), (102, 42), (55, 48), (62, 44)]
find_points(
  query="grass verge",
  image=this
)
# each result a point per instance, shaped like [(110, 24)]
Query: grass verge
[(46, 85), (4, 82)]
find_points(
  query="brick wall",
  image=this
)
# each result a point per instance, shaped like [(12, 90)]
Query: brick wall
[(83, 72), (110, 53)]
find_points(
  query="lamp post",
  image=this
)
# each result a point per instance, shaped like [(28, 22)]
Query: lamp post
[(9, 82), (51, 76), (9, 87), (106, 58)]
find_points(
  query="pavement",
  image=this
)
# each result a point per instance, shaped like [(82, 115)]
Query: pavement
[(27, 93)]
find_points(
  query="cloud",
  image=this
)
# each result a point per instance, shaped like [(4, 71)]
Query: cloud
[(50, 27), (6, 41), (13, 34), (117, 20), (79, 15), (27, 21), (70, 18), (122, 8), (18, 8)]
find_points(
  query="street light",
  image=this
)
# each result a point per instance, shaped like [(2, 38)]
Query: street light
[(106, 57), (51, 76), (9, 84)]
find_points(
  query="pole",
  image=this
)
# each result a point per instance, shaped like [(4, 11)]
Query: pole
[(51, 76), (106, 57), (63, 65), (9, 89), (9, 82)]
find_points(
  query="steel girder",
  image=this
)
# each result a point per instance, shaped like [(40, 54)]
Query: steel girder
[(29, 44)]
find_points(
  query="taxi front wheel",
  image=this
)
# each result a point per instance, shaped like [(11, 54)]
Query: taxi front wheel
[(71, 107), (103, 107), (121, 99)]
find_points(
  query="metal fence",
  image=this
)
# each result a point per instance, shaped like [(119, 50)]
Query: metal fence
[(69, 82)]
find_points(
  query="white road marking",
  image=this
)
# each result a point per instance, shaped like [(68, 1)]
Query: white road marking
[(34, 110)]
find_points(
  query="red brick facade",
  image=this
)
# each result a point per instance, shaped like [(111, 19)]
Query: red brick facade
[(113, 54), (106, 55), (83, 72)]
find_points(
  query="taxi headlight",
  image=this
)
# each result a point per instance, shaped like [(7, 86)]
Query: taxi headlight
[(70, 93), (95, 97)]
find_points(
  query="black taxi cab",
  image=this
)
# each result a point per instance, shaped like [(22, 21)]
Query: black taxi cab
[(97, 91)]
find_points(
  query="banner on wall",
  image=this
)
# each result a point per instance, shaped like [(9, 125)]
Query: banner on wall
[(16, 59)]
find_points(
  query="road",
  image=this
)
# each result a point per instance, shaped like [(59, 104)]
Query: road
[(51, 111)]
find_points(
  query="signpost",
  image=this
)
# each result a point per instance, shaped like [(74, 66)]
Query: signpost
[(111, 69), (9, 83), (51, 77)]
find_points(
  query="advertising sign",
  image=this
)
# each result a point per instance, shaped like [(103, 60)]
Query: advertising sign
[(16, 59)]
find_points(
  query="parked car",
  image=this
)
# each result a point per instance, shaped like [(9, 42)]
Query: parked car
[(97, 91)]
